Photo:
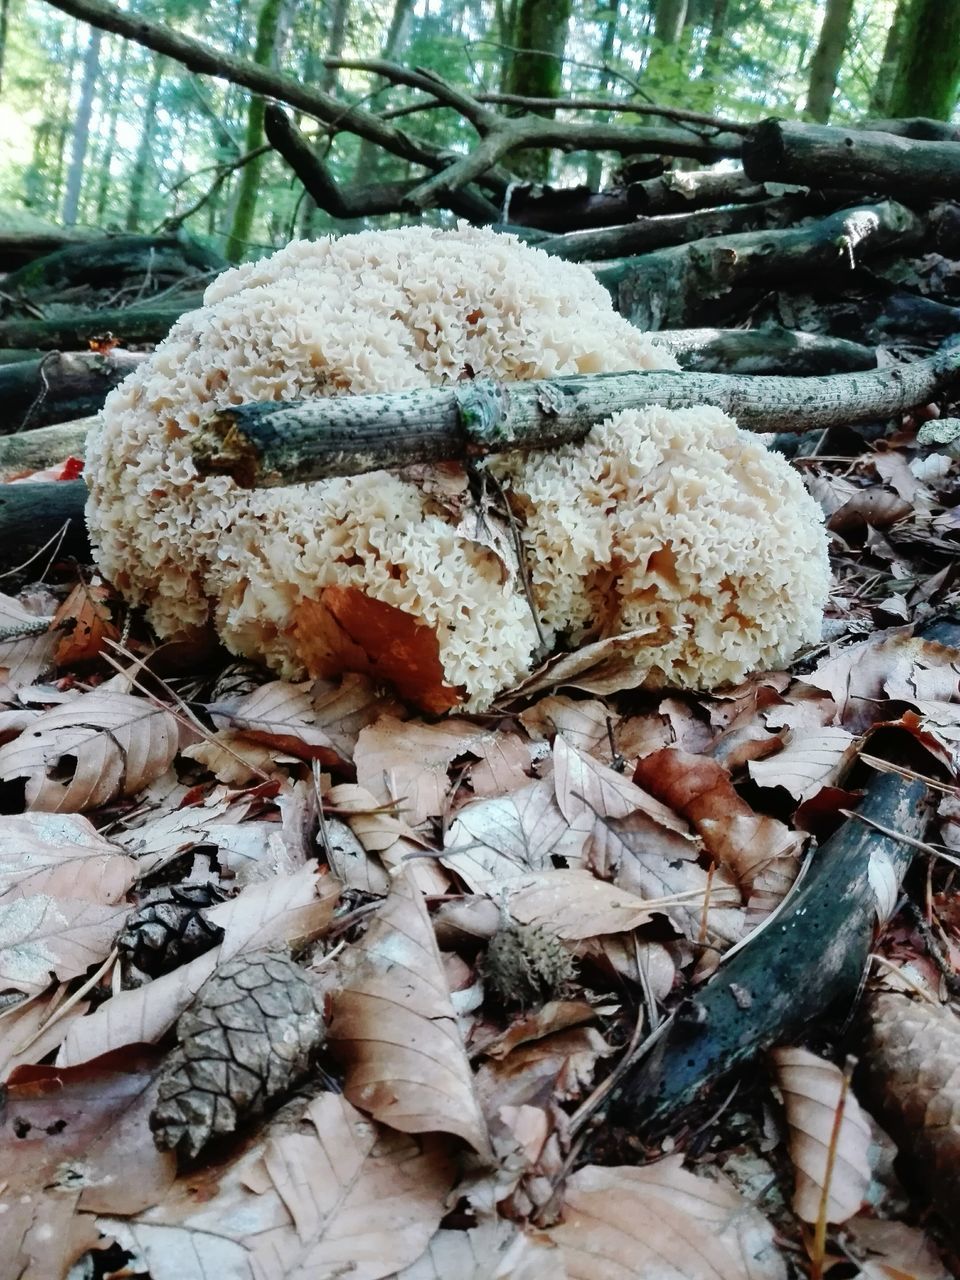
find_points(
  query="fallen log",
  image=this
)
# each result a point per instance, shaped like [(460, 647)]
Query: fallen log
[(43, 447), (20, 247), (771, 351), (296, 442), (60, 386), (821, 155), (111, 262), (645, 233), (78, 328), (666, 288), (36, 516)]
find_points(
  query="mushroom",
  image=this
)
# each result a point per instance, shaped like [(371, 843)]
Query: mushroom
[(660, 520)]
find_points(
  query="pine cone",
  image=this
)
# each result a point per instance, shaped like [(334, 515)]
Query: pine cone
[(525, 964), (246, 1039), (166, 930), (911, 1073)]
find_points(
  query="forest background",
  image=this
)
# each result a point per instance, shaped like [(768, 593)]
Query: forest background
[(96, 130)]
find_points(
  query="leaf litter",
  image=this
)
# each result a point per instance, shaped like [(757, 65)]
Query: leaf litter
[(442, 1132)]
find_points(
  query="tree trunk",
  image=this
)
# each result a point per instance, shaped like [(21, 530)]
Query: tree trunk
[(336, 37), (825, 66), (368, 157), (880, 97), (113, 115), (536, 69), (928, 72), (81, 128), (4, 28), (246, 206), (138, 178), (594, 160)]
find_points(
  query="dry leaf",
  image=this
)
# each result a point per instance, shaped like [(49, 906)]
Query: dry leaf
[(42, 937), (83, 624), (701, 789), (495, 1250), (342, 708), (556, 1068), (285, 909), (89, 751), (808, 761), (606, 666), (665, 1222), (493, 841), (280, 716), (812, 1089), (406, 764), (583, 722), (390, 839), (892, 1251), (64, 856), (395, 1028), (346, 630), (504, 764), (575, 904), (23, 657)]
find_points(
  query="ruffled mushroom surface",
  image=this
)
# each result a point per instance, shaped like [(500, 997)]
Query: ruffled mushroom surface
[(673, 522)]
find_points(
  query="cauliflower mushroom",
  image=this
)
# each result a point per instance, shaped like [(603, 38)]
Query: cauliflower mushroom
[(665, 522)]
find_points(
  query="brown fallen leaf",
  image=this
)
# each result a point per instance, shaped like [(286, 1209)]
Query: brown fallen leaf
[(812, 1089), (28, 650), (343, 707), (582, 722), (380, 833), (605, 666), (64, 856), (277, 715), (892, 1251), (395, 1029), (346, 630), (808, 761), (701, 789), (494, 840), (83, 624), (575, 904), (43, 937), (89, 751), (662, 1221), (495, 1250)]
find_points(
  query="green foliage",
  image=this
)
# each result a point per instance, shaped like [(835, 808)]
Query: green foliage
[(745, 59)]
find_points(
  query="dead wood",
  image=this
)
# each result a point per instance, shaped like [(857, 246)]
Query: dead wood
[(356, 201), (665, 289), (43, 447), (772, 350), (20, 247), (35, 514), (78, 328), (810, 957), (820, 155), (60, 386), (263, 445)]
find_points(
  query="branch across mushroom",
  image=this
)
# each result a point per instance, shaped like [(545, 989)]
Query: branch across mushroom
[(669, 523)]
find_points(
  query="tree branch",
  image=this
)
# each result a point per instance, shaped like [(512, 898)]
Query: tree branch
[(273, 444)]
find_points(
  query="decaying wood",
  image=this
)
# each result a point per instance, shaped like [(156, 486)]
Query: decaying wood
[(35, 515), (666, 289), (78, 328), (20, 247), (60, 386), (821, 155), (293, 443), (809, 958), (772, 350), (43, 447)]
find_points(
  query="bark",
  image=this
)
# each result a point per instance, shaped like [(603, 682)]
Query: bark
[(112, 110), (815, 155), (20, 247), (246, 206), (60, 386), (77, 329), (539, 39), (771, 350), (368, 156), (883, 86), (810, 958), (645, 234), (827, 57), (665, 289), (38, 515), (81, 128), (110, 262), (141, 164), (336, 36), (43, 447), (697, 189), (928, 70), (594, 162), (263, 445)]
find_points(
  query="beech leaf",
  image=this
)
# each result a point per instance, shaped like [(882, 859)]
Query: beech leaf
[(64, 856), (812, 1090), (575, 904)]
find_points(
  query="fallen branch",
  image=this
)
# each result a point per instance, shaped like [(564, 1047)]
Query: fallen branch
[(770, 351), (660, 290), (76, 329), (60, 386), (820, 155), (293, 443), (19, 247), (356, 202), (44, 447), (33, 515), (811, 957)]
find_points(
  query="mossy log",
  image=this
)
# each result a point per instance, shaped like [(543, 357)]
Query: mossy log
[(770, 351), (78, 328), (110, 262), (60, 386), (38, 515)]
